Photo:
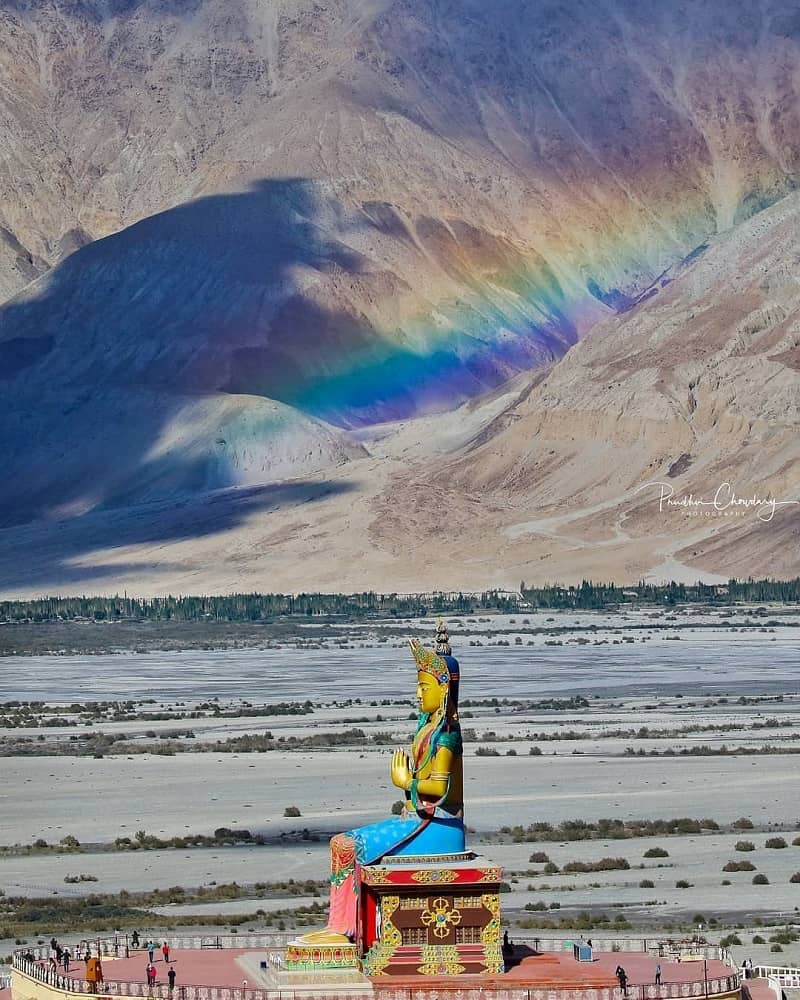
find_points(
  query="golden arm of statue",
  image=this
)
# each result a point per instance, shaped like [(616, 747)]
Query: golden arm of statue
[(434, 783)]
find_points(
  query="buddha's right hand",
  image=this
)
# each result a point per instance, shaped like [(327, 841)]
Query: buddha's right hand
[(401, 770)]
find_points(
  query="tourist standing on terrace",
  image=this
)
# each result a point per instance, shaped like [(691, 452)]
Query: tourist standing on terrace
[(165, 951), (171, 977)]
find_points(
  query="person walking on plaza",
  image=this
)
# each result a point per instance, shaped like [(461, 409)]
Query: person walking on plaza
[(165, 951), (151, 950), (151, 974), (658, 974), (65, 955), (171, 978), (622, 976)]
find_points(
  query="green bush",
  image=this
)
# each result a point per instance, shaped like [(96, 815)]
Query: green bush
[(397, 808), (775, 947), (551, 869), (739, 866), (292, 811), (743, 823), (757, 939), (726, 881), (683, 884), (656, 852), (647, 883), (776, 843), (795, 877), (744, 845), (760, 880), (796, 842), (538, 858), (603, 865), (728, 940)]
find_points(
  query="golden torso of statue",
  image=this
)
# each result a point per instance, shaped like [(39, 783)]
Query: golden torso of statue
[(443, 764)]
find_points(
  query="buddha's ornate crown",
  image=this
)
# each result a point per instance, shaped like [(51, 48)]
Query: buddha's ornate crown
[(442, 638), (429, 663), (439, 664)]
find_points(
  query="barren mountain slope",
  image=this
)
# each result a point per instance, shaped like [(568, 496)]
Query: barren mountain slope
[(364, 210), (697, 386)]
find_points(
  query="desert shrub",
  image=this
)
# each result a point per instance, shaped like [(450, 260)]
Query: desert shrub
[(785, 936), (760, 880), (743, 823), (796, 842), (795, 877), (775, 947), (603, 865), (535, 752), (744, 845), (776, 843), (728, 940), (551, 869), (538, 858), (683, 884), (757, 939), (739, 866), (656, 852), (291, 811), (726, 881), (647, 883), (397, 808), (487, 752), (536, 906)]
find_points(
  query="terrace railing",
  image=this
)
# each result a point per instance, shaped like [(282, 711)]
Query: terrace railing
[(659, 947), (787, 977), (120, 945), (712, 987)]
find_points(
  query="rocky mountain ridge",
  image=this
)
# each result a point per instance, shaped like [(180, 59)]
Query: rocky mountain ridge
[(258, 232)]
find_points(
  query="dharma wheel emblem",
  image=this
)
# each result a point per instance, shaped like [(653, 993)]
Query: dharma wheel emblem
[(439, 915)]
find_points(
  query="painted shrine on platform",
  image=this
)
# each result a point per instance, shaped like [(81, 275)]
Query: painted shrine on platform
[(406, 896)]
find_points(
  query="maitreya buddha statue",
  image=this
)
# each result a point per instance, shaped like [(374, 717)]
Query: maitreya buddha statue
[(432, 821)]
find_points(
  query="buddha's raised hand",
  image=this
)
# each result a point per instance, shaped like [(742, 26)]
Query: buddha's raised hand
[(401, 770)]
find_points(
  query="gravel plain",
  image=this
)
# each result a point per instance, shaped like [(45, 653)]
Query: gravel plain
[(744, 684)]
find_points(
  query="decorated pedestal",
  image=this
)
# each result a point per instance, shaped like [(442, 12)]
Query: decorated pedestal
[(304, 957), (430, 916)]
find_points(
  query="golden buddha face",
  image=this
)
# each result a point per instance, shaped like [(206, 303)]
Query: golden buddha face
[(429, 693)]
